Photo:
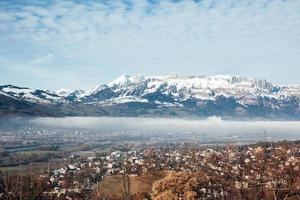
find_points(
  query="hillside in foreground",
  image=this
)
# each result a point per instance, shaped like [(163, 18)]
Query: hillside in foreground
[(262, 171)]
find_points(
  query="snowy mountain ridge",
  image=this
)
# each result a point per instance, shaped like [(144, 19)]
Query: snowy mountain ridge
[(203, 95), (184, 87), (198, 87)]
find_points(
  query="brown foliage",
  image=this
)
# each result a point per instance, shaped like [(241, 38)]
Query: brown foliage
[(21, 187), (177, 186)]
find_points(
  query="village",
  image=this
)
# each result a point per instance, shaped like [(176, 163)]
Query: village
[(264, 165)]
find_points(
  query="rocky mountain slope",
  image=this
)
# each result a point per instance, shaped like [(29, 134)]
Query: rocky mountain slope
[(140, 95)]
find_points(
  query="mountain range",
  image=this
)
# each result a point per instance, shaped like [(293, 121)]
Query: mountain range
[(229, 97)]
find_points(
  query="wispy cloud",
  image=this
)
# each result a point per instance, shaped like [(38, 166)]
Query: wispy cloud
[(209, 36), (45, 59)]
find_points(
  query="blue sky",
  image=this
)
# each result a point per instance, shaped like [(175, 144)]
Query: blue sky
[(80, 44)]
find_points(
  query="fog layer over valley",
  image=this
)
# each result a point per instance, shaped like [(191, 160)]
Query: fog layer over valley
[(145, 129)]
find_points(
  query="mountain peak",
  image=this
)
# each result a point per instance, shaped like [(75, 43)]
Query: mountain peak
[(213, 81), (126, 79)]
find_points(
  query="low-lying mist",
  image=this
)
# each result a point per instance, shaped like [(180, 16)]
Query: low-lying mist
[(213, 126)]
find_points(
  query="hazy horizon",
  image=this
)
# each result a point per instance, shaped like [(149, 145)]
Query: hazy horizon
[(212, 126)]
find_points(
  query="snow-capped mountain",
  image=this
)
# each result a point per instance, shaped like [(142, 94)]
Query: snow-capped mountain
[(70, 95), (34, 96), (221, 95), (179, 89)]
